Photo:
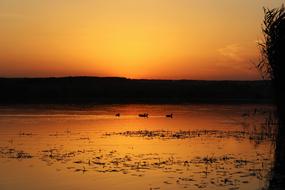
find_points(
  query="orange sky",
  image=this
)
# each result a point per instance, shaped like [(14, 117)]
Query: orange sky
[(167, 39)]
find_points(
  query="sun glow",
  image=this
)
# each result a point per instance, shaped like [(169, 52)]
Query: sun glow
[(137, 39)]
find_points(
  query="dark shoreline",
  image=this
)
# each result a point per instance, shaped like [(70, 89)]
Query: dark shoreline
[(112, 90)]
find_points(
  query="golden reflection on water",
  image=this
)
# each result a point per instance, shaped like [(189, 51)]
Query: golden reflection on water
[(202, 147)]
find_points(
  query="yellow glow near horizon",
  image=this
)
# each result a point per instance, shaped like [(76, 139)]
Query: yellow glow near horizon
[(171, 39)]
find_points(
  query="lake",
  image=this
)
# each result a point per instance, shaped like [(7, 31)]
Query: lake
[(87, 147)]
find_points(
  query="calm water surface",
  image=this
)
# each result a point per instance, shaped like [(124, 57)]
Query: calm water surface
[(201, 147)]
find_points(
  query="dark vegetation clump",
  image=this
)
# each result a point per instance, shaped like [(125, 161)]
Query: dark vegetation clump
[(272, 63), (272, 66)]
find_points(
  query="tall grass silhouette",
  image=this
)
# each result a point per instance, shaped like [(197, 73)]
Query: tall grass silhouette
[(272, 66), (272, 62)]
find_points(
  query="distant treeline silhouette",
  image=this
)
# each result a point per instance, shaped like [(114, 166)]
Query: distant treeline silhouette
[(122, 90)]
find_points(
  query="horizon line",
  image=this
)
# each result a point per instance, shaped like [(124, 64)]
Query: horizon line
[(126, 78)]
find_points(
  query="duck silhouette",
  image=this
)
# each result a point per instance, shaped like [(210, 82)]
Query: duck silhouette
[(169, 115), (143, 115)]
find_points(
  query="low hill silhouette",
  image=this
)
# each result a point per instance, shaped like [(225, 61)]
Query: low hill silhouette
[(123, 90)]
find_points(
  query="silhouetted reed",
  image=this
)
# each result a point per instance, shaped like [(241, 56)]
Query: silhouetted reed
[(272, 62), (272, 65)]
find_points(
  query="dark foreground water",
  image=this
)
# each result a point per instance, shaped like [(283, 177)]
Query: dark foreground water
[(201, 147)]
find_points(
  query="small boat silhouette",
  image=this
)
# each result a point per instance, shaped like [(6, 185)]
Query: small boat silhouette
[(169, 115), (143, 115), (118, 115)]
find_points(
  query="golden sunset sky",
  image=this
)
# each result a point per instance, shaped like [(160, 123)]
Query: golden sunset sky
[(165, 39)]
